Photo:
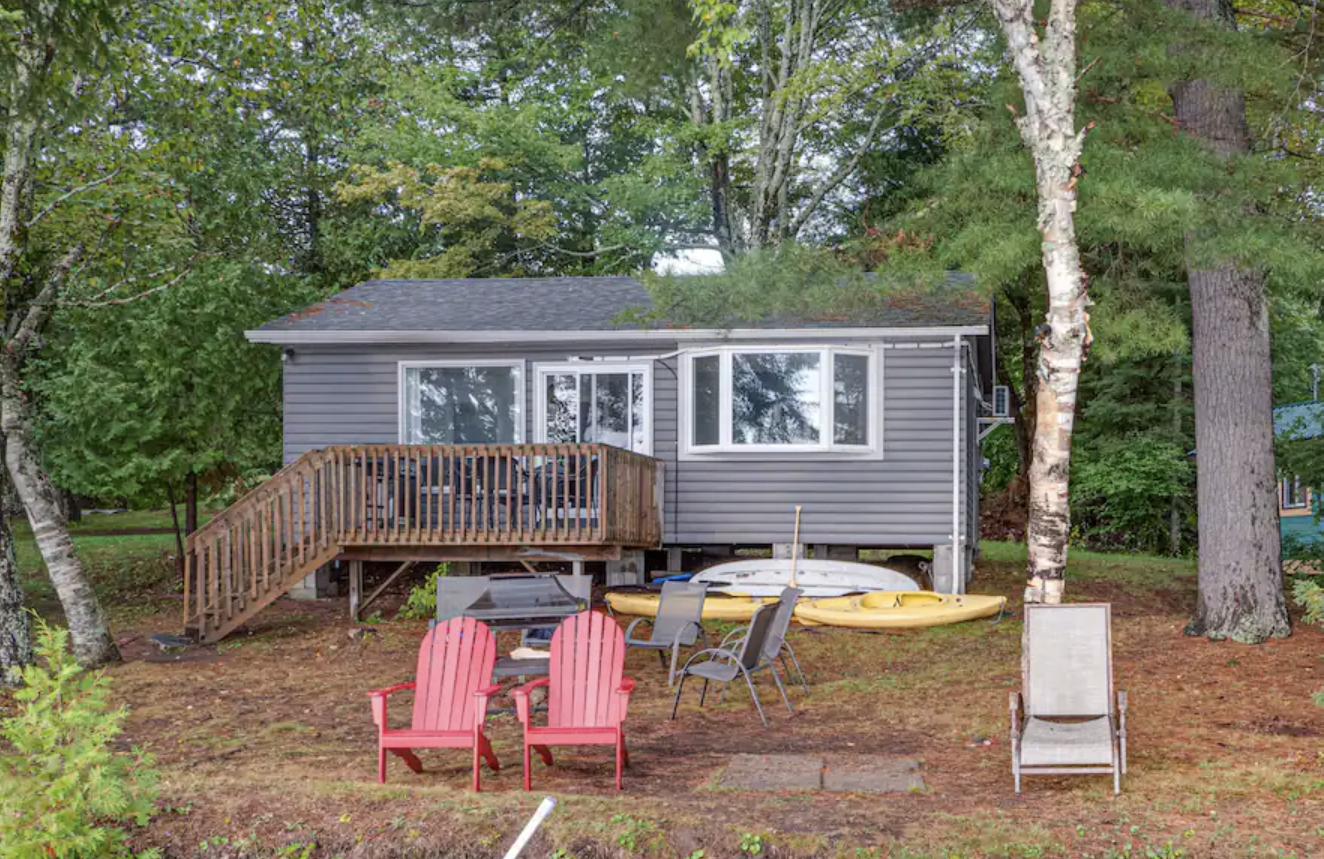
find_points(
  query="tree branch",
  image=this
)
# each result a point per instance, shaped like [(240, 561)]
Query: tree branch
[(99, 299), (69, 194), (835, 180), (39, 310)]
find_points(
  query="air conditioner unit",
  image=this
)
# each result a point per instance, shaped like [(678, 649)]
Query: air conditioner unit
[(1001, 401)]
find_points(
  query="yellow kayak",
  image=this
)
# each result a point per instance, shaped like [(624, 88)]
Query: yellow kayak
[(732, 607), (897, 609)]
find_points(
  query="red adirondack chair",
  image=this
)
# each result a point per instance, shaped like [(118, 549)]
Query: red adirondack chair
[(451, 688), (586, 695)]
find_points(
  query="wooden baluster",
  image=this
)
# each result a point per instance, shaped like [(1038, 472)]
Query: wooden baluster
[(269, 565), (250, 550), (508, 531), (606, 500), (227, 573)]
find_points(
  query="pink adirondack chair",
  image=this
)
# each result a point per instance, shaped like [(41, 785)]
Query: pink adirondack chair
[(451, 688), (586, 695)]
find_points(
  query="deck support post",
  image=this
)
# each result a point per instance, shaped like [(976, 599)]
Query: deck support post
[(837, 553), (629, 570), (784, 551), (675, 559), (355, 589)]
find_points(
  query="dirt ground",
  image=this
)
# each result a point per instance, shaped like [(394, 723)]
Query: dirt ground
[(266, 747)]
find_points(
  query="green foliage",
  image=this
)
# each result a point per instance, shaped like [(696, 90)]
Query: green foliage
[(63, 785), (1310, 595), (635, 833), (751, 844), (789, 281), (1122, 490), (422, 602)]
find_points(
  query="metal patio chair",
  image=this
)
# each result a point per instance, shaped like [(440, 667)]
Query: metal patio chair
[(1067, 722), (679, 622), (776, 647), (723, 666)]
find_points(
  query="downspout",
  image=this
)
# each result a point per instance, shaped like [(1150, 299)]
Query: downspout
[(958, 556)]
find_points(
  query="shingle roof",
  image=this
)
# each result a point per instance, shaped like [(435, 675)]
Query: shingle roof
[(569, 304), (1299, 420)]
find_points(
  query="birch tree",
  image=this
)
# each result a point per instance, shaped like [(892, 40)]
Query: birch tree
[(1045, 61), (87, 216)]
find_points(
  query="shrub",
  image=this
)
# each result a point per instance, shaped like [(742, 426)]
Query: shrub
[(422, 602), (1311, 596), (63, 786)]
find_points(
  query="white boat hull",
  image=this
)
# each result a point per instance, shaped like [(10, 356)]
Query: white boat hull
[(766, 577)]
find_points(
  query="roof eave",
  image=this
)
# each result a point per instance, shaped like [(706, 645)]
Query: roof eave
[(339, 338)]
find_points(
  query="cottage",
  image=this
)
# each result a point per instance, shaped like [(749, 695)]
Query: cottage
[(1296, 501), (523, 419)]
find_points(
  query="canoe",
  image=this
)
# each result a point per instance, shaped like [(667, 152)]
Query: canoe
[(730, 607), (766, 577), (897, 609)]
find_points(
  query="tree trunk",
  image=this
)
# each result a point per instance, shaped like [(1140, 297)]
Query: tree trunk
[(1240, 552), (179, 534), (1046, 67), (15, 634), (92, 642), (1174, 512), (191, 504)]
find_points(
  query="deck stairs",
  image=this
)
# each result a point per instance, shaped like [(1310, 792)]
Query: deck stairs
[(532, 501)]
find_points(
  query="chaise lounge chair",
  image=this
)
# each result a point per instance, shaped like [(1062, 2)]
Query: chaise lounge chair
[(1066, 723)]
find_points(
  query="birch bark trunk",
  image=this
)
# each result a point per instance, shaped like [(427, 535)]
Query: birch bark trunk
[(1240, 556), (1046, 66), (15, 631), (92, 642)]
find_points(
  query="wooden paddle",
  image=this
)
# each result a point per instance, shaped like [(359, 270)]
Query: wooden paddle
[(795, 543)]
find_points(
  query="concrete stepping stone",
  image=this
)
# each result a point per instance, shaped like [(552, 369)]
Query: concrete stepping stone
[(853, 774), (774, 772), (872, 775)]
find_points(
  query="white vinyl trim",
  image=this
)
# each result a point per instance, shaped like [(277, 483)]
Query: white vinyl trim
[(726, 447), (404, 366), (591, 368), (338, 338)]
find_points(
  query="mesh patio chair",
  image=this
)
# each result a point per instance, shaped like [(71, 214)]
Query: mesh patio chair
[(679, 622), (776, 647), (723, 666), (1066, 722)]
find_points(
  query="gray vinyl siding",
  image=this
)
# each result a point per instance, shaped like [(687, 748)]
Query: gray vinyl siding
[(347, 395)]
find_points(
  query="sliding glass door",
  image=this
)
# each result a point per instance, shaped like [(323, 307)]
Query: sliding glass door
[(596, 402)]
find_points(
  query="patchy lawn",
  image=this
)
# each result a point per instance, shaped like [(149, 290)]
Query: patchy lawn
[(266, 745)]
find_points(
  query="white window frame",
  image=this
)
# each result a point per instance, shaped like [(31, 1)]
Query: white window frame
[(726, 445), (583, 368), (1293, 482), (401, 406)]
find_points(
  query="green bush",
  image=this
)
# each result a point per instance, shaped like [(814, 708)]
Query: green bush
[(1310, 595), (63, 786), (1122, 491), (422, 602)]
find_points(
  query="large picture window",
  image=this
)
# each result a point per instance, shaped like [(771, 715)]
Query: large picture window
[(444, 403), (781, 399), (595, 401)]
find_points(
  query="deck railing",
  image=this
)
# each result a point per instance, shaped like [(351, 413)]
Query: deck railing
[(364, 496)]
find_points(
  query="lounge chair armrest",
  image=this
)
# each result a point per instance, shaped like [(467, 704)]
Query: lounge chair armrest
[(713, 654), (627, 686), (691, 628), (378, 697), (521, 696), (629, 630), (481, 696), (1015, 707), (733, 636), (399, 687)]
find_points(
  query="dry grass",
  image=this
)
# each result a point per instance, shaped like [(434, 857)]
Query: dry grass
[(266, 747)]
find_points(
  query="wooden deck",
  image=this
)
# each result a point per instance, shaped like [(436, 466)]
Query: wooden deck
[(419, 502)]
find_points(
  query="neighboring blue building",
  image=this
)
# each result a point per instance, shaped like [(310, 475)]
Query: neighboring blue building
[(1296, 508)]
